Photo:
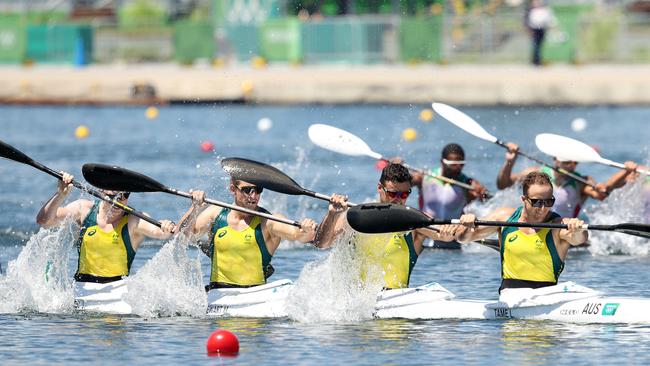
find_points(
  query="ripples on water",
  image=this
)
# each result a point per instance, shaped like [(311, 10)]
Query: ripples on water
[(328, 313)]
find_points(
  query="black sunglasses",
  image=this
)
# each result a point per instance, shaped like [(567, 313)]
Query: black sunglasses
[(249, 189), (539, 202), (119, 195)]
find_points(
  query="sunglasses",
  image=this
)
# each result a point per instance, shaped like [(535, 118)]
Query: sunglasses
[(119, 196), (453, 162), (539, 202), (396, 194), (249, 189)]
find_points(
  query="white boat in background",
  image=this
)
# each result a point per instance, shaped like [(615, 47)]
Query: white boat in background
[(565, 302)]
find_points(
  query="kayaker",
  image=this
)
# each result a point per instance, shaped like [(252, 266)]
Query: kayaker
[(443, 200), (396, 253), (530, 257), (108, 239), (570, 194), (241, 245)]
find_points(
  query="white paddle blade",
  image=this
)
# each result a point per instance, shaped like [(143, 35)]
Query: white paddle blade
[(567, 149), (340, 141), (463, 121)]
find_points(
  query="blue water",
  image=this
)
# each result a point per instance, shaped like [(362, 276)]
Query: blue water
[(167, 149)]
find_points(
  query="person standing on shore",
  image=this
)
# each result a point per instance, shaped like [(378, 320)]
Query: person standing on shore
[(539, 18)]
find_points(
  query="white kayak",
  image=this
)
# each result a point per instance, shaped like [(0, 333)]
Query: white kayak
[(101, 297), (565, 302), (264, 301)]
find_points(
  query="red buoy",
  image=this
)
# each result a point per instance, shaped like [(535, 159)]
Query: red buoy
[(381, 164), (207, 146), (222, 342)]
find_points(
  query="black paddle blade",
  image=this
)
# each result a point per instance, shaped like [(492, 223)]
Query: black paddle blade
[(9, 152), (119, 179), (641, 230), (375, 218), (262, 175)]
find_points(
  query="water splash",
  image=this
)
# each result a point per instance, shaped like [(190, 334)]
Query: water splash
[(39, 279), (280, 203), (169, 284), (330, 290), (509, 197), (622, 205)]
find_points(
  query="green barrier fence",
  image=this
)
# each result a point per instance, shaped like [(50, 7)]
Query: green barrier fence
[(60, 43), (231, 12), (280, 40), (560, 43), (345, 40), (421, 39), (13, 38), (242, 41), (193, 41)]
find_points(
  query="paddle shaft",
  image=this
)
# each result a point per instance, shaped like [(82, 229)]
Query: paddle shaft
[(91, 191), (541, 162), (490, 243), (234, 207), (526, 224), (621, 166), (323, 197)]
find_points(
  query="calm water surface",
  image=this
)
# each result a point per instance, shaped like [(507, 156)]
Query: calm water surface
[(167, 148)]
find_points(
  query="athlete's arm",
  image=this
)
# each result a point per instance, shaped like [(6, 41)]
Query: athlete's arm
[(142, 228), (187, 222), (51, 214), (618, 179), (304, 234), (478, 191), (441, 232), (477, 233), (574, 234), (599, 193), (505, 177), (333, 223), (204, 220)]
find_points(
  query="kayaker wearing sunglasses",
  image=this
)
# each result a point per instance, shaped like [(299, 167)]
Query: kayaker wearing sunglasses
[(108, 239), (391, 256), (530, 257), (442, 200), (242, 245), (570, 193)]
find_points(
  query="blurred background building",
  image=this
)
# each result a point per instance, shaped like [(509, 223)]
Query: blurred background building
[(221, 32)]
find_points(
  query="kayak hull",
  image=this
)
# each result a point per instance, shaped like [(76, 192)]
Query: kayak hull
[(101, 297), (565, 302)]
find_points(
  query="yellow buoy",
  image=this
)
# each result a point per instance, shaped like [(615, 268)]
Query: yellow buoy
[(247, 86), (81, 132), (151, 113), (409, 134), (258, 62), (426, 115)]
